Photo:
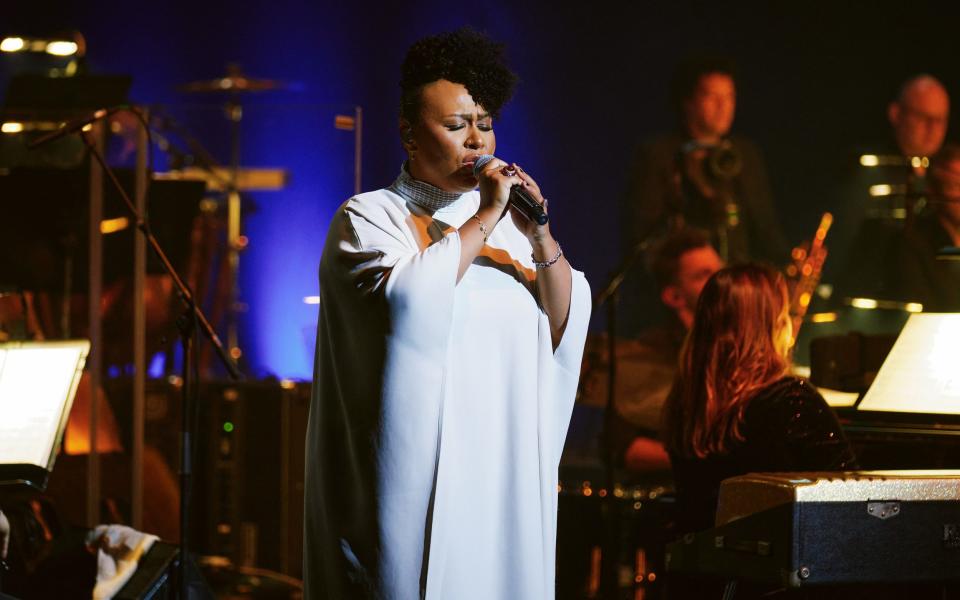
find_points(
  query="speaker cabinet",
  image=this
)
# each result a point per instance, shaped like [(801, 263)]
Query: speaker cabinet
[(247, 498), (249, 482)]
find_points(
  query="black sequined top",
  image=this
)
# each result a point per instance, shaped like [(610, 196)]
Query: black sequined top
[(788, 426)]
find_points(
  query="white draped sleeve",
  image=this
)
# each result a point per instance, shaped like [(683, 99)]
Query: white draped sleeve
[(566, 359), (417, 287)]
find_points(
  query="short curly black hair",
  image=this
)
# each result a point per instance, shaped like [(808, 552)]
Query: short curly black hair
[(463, 56)]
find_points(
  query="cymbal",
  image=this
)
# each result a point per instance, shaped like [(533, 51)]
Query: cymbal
[(235, 81), (230, 84)]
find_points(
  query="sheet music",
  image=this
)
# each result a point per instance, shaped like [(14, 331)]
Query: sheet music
[(838, 399), (36, 387), (922, 372)]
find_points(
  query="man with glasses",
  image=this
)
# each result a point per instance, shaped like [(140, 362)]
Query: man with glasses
[(918, 274), (919, 117), (889, 191)]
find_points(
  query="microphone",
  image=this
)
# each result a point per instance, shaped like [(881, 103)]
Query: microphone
[(520, 198), (71, 127)]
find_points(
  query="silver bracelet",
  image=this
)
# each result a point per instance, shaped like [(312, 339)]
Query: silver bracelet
[(483, 228), (547, 263)]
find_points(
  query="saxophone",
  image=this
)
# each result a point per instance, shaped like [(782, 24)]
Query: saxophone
[(805, 272)]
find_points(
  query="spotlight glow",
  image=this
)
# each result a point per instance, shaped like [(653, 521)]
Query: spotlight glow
[(827, 317), (62, 48), (108, 226), (869, 160), (12, 44), (11, 127)]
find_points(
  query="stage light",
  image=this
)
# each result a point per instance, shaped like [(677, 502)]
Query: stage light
[(827, 317), (869, 160), (870, 303), (14, 127), (880, 190), (108, 226), (865, 303), (61, 48), (12, 44), (54, 47)]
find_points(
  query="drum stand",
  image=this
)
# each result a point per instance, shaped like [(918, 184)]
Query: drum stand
[(609, 576)]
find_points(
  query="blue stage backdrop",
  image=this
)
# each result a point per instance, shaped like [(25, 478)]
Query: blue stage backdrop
[(814, 84)]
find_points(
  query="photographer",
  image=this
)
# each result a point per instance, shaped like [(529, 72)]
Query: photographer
[(702, 176)]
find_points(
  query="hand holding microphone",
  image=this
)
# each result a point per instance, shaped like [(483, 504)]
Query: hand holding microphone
[(520, 198)]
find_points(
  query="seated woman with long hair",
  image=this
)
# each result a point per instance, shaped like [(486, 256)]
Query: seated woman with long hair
[(734, 409)]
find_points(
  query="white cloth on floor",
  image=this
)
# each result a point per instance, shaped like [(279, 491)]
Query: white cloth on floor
[(119, 549)]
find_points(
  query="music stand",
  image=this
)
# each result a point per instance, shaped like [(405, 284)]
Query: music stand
[(920, 375), (38, 382), (36, 93)]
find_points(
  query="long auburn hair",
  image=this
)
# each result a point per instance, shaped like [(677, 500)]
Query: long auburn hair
[(733, 350)]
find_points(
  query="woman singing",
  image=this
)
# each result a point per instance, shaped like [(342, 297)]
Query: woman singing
[(733, 409), (449, 343)]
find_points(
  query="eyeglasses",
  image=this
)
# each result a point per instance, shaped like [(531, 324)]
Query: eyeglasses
[(919, 115)]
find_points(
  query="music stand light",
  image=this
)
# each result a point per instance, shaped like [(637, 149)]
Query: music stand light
[(38, 382)]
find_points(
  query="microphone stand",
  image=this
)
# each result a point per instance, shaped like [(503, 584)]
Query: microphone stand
[(191, 320), (609, 295)]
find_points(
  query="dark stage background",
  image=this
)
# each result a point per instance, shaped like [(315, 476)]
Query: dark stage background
[(815, 81)]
